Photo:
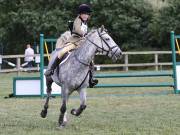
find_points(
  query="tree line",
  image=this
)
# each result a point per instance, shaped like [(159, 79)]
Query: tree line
[(133, 24)]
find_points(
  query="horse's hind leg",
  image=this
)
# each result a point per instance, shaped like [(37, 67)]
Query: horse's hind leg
[(82, 107), (49, 82)]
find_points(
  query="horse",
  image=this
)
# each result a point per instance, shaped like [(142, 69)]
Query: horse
[(73, 74)]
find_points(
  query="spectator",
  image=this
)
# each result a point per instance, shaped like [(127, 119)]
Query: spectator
[(29, 53)]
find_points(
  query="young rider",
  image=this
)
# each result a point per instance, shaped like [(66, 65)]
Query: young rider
[(79, 30)]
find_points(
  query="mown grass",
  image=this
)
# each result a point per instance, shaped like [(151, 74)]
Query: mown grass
[(117, 111)]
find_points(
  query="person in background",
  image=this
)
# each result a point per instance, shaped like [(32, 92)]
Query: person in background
[(29, 56)]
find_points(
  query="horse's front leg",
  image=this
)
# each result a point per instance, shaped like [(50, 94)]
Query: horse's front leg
[(62, 116), (82, 107), (49, 82)]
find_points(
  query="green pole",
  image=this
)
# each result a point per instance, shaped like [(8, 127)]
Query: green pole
[(174, 60), (42, 63)]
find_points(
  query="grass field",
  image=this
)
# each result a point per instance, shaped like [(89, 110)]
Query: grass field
[(117, 111)]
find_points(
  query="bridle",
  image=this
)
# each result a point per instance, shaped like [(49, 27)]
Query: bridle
[(102, 51), (101, 47)]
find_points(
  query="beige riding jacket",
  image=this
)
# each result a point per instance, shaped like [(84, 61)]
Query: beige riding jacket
[(79, 31)]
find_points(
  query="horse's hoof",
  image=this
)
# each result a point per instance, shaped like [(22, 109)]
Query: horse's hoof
[(60, 127), (62, 124), (43, 113), (73, 111)]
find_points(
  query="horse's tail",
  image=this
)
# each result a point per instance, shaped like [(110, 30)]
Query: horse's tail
[(62, 39)]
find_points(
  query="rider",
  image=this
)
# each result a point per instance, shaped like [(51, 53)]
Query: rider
[(79, 30)]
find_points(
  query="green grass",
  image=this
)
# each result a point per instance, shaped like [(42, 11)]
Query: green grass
[(111, 111)]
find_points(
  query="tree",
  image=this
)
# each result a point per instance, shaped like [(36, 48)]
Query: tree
[(128, 21), (167, 20)]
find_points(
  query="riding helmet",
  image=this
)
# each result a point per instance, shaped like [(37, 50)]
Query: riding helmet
[(84, 8)]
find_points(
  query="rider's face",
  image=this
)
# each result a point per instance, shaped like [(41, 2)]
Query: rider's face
[(84, 17)]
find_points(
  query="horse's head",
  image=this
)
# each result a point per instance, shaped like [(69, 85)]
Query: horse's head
[(106, 45)]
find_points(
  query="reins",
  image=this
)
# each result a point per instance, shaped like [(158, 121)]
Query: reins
[(82, 81), (86, 64), (102, 47)]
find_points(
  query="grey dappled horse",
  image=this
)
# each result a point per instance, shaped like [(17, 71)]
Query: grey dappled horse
[(73, 74)]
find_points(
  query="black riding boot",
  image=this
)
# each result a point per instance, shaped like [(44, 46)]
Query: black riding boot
[(50, 71), (92, 81)]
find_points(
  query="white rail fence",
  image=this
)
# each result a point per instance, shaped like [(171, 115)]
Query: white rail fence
[(124, 62)]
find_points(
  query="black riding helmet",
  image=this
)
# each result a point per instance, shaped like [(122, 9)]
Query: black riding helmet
[(84, 8)]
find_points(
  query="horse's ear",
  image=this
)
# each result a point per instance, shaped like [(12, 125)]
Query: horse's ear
[(102, 28)]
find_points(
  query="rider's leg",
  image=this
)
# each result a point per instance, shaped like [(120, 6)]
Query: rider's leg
[(92, 81), (57, 61), (50, 71)]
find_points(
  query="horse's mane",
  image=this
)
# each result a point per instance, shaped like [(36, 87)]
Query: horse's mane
[(91, 32)]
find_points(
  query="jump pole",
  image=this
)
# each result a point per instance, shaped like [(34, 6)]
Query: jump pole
[(42, 63), (176, 65), (55, 88), (175, 74)]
